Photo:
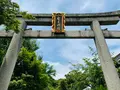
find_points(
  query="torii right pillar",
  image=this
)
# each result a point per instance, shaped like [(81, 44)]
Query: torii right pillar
[(108, 68)]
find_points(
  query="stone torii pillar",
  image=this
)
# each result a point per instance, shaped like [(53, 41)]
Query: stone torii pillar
[(10, 58), (108, 68)]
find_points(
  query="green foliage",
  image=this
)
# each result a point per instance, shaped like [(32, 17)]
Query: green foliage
[(26, 15), (76, 80), (4, 43), (100, 87), (8, 12), (117, 65), (62, 84), (87, 75), (30, 72), (30, 44), (94, 73)]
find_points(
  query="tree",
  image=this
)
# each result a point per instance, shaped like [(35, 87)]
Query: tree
[(117, 65), (94, 73), (30, 73), (76, 80), (3, 48), (88, 75), (8, 12), (62, 84)]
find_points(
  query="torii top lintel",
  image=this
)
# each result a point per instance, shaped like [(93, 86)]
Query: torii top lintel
[(76, 19)]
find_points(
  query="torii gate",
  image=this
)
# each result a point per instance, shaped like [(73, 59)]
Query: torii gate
[(90, 19)]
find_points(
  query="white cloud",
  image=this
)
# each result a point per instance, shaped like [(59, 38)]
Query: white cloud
[(75, 50), (40, 6), (61, 69), (70, 6), (81, 6)]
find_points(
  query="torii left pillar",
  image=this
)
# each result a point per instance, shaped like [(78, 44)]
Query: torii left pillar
[(10, 58)]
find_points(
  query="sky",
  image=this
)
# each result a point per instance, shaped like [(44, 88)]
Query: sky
[(62, 52)]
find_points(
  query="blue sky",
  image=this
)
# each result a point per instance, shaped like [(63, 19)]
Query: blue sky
[(59, 52)]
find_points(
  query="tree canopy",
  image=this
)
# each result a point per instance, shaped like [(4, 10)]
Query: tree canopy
[(88, 75), (8, 12), (30, 72)]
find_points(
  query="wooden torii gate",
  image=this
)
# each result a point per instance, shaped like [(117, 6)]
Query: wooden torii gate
[(94, 20)]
